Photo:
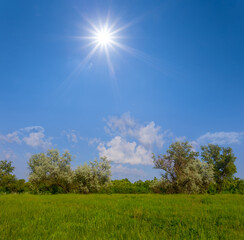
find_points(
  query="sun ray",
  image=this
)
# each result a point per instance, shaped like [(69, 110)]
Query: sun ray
[(110, 65), (106, 36), (85, 60)]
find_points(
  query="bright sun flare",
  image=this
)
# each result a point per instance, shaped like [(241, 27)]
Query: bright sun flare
[(106, 37), (103, 37)]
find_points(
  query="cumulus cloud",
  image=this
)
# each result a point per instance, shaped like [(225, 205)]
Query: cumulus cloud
[(122, 124), (119, 150), (149, 135), (37, 139), (221, 138), (131, 141), (32, 136), (126, 126)]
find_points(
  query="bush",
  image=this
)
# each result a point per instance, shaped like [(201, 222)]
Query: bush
[(93, 177), (125, 186)]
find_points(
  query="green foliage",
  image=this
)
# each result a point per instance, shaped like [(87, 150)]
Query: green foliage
[(6, 168), (91, 178), (120, 216), (143, 187), (183, 172), (125, 186), (223, 161), (50, 172), (160, 186), (8, 181), (235, 185)]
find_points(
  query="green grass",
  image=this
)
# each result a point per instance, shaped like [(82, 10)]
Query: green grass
[(100, 216)]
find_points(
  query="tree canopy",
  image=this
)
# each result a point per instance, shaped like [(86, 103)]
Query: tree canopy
[(90, 178), (183, 172), (223, 161), (51, 171)]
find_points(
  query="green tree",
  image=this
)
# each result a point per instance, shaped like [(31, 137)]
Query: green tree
[(122, 186), (223, 160), (7, 179), (50, 172), (91, 178), (6, 168), (183, 172)]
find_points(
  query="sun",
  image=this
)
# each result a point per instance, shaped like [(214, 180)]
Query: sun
[(104, 37)]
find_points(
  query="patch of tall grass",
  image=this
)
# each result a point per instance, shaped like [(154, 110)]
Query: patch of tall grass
[(100, 216)]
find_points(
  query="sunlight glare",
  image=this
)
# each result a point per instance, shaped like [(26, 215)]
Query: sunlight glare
[(103, 37), (106, 37)]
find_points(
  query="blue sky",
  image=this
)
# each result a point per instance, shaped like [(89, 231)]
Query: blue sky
[(180, 78)]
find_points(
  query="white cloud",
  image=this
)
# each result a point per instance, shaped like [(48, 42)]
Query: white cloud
[(32, 136), (132, 142), (126, 126), (119, 150), (120, 171), (120, 124), (11, 137), (221, 138), (74, 137), (37, 139), (93, 141), (71, 135), (32, 128), (149, 135)]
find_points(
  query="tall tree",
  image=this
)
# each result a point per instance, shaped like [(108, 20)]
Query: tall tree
[(7, 179), (223, 160), (6, 167), (51, 171), (183, 172)]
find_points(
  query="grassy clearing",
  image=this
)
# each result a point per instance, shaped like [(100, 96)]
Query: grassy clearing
[(121, 216)]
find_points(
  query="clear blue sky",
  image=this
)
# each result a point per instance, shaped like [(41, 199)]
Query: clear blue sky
[(181, 78)]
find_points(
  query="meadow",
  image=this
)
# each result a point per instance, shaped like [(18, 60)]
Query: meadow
[(121, 216)]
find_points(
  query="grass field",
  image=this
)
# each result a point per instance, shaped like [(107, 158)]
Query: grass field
[(121, 216)]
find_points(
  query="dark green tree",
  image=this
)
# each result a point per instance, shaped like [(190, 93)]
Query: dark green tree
[(7, 179), (6, 168), (223, 161)]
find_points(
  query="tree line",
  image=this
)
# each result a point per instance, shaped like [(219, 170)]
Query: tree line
[(184, 170)]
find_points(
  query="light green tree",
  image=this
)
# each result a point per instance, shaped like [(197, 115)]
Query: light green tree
[(90, 178), (183, 172), (51, 171)]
